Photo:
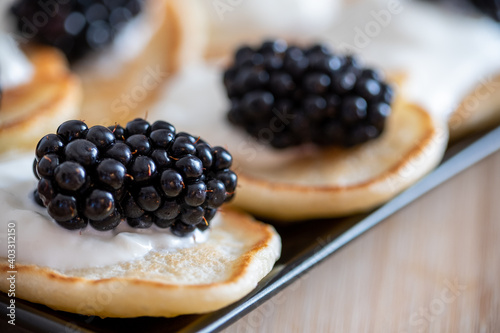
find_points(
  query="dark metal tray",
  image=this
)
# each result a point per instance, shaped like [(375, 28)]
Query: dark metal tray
[(303, 248)]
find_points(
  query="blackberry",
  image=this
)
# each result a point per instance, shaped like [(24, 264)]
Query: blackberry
[(143, 173), (76, 27), (287, 96)]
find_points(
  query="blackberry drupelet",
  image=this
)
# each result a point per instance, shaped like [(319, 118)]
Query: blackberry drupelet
[(143, 173), (74, 26), (287, 96)]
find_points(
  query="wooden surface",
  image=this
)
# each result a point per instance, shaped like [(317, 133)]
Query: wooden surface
[(432, 267)]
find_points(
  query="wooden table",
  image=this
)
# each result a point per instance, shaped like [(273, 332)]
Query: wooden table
[(432, 267)]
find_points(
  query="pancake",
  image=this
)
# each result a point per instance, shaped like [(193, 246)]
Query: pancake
[(300, 183), (338, 182), (208, 276)]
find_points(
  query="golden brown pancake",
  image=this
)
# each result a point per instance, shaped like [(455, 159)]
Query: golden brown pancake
[(239, 252), (323, 183)]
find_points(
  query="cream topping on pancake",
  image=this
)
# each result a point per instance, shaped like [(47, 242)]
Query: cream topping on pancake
[(269, 18), (446, 54)]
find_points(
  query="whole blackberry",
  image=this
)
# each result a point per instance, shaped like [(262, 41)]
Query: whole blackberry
[(74, 26), (142, 174), (287, 96)]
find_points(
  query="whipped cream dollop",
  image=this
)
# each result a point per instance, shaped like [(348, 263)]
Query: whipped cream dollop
[(40, 241), (445, 54), (15, 68)]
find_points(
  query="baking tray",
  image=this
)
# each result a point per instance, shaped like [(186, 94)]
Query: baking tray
[(303, 248)]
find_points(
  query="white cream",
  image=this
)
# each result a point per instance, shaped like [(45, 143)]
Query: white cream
[(237, 20), (40, 241), (15, 68), (445, 54)]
